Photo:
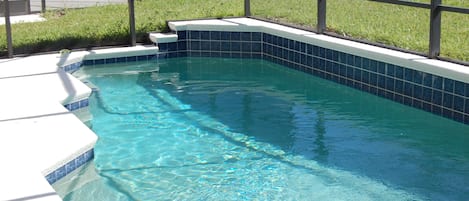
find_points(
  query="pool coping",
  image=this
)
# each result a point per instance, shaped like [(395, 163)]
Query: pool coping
[(41, 138)]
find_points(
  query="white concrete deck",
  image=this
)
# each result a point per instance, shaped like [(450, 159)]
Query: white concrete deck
[(37, 134)]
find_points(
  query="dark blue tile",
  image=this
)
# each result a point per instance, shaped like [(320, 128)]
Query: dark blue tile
[(408, 87), (182, 54), (373, 79), (70, 166), (437, 82), (309, 49), (322, 64), (215, 45), (215, 54), (427, 107), (427, 79), (75, 106), (51, 178), (448, 100), (182, 45), (342, 70), (458, 103), (408, 74), (225, 35), (215, 35), (417, 103), (437, 97), (163, 47), (256, 55), (366, 63), (235, 46), (436, 109), (205, 54), (399, 87), (121, 60), (399, 72), (417, 91), (256, 36), (342, 58), (466, 107), (398, 98), (382, 81), (182, 35), (448, 85), (172, 55), (358, 62), (467, 89), (195, 45), (99, 61), (466, 119), (131, 58), (459, 88), (256, 47), (302, 47), (407, 101), (205, 35), (459, 117), (194, 35), (390, 70), (382, 68), (205, 45), (418, 77), (374, 65), (357, 74), (390, 83), (84, 103), (427, 94), (88, 62), (225, 55), (322, 52), (235, 36), (329, 54), (296, 46), (246, 47), (235, 55), (194, 54), (225, 46), (246, 36), (172, 46), (60, 173), (350, 60), (447, 113)]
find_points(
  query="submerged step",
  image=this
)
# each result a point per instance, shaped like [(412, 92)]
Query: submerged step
[(163, 37)]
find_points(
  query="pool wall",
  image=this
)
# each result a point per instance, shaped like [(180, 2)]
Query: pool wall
[(438, 87)]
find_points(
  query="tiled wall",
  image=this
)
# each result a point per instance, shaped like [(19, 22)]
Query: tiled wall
[(77, 105), (70, 166), (432, 93)]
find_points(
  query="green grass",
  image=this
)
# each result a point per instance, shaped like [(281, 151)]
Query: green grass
[(399, 26)]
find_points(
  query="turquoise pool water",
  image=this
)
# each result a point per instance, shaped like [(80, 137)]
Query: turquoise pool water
[(228, 129)]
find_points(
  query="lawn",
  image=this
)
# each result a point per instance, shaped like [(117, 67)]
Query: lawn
[(399, 26)]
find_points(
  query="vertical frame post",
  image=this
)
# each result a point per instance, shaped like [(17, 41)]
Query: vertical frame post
[(8, 29), (133, 35), (321, 24), (247, 8), (43, 6), (435, 29)]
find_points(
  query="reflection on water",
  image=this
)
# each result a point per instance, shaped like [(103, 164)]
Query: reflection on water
[(250, 129)]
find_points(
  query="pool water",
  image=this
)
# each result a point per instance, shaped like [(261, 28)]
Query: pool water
[(240, 129)]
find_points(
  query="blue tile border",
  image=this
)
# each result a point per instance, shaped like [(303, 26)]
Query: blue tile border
[(70, 166), (77, 105), (432, 93)]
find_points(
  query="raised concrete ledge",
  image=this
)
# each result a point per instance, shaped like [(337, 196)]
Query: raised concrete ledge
[(37, 134), (416, 62)]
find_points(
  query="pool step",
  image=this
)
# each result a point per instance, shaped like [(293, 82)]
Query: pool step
[(163, 37)]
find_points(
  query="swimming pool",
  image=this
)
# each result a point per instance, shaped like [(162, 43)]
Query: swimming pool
[(246, 129)]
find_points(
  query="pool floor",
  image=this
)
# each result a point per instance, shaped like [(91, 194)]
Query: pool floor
[(241, 129)]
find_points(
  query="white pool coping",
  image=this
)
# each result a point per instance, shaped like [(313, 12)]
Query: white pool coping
[(38, 134)]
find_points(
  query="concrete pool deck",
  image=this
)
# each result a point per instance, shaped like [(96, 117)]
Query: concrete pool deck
[(38, 135)]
